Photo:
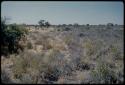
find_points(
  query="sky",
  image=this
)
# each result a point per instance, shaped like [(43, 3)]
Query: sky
[(63, 12)]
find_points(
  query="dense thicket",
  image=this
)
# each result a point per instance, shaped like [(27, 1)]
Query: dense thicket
[(10, 37)]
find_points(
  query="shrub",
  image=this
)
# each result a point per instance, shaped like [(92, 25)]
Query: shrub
[(43, 40), (20, 66), (67, 29), (89, 47), (81, 35), (103, 74), (11, 34), (27, 64), (117, 55), (83, 66), (68, 39), (34, 65)]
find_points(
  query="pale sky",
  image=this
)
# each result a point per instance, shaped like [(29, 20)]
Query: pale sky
[(63, 12)]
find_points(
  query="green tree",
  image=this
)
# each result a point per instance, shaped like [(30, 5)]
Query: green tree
[(47, 24), (44, 23), (41, 23)]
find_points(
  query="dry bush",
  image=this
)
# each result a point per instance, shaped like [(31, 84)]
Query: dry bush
[(29, 45), (92, 48), (103, 74), (49, 63), (89, 47), (61, 80), (22, 44), (57, 44), (20, 66), (43, 40), (33, 36), (33, 65), (115, 52), (5, 78), (24, 62), (68, 39), (83, 77)]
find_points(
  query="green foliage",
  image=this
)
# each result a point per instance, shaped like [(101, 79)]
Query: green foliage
[(41, 23), (10, 36), (44, 23), (47, 24), (3, 28), (13, 32)]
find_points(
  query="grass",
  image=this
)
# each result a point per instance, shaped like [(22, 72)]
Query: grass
[(94, 59), (33, 65), (43, 40), (103, 74), (68, 39), (89, 47), (29, 45)]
